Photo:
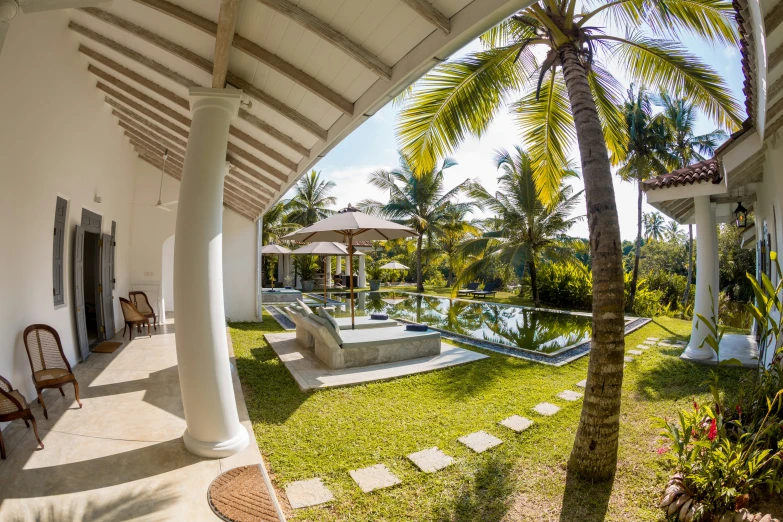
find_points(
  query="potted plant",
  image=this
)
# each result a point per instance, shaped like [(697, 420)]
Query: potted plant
[(306, 266), (374, 275)]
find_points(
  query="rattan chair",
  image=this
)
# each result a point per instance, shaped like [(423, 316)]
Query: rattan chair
[(142, 304), (133, 318), (47, 361), (14, 406)]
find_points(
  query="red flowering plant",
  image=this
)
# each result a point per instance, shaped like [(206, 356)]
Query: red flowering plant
[(720, 465)]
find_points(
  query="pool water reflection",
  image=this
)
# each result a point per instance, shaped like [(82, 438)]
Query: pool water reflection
[(514, 326)]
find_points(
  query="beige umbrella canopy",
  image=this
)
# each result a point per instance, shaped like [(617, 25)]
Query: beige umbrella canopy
[(274, 249), (394, 265), (323, 248), (347, 225)]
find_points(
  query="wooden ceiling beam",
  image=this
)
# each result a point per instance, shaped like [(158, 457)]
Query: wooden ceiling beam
[(749, 198), (127, 115), (182, 102), (224, 36), (320, 28), (207, 66), (175, 77), (143, 110), (427, 11), (257, 52)]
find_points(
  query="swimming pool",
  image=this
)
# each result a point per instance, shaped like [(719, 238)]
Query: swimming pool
[(541, 331)]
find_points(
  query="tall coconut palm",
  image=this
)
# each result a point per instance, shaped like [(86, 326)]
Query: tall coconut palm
[(645, 153), (418, 198), (524, 231), (311, 200), (576, 99), (680, 116), (653, 226), (274, 224), (456, 228), (673, 233)]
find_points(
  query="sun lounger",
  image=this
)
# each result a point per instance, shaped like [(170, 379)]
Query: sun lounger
[(489, 289), (472, 287)]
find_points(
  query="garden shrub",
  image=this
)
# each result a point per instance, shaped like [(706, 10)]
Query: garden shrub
[(565, 286), (436, 279)]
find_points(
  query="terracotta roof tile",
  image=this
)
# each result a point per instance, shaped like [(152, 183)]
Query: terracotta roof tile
[(703, 171)]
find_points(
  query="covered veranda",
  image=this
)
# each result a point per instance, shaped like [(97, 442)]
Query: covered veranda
[(221, 106)]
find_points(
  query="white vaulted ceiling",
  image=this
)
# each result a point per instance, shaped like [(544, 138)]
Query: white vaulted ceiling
[(313, 70)]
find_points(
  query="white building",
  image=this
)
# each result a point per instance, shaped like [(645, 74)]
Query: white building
[(744, 170)]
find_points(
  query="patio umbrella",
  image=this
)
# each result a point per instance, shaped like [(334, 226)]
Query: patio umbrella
[(347, 225), (323, 248), (394, 265), (273, 249)]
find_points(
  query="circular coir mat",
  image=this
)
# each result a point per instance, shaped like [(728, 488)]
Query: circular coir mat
[(241, 495)]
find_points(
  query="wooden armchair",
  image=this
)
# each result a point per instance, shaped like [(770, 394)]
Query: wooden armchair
[(14, 406), (142, 304), (133, 318), (47, 361)]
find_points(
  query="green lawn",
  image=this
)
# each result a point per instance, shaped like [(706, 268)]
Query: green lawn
[(327, 433)]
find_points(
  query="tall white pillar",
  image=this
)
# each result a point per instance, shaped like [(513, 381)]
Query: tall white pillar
[(213, 428), (280, 268), (328, 274), (362, 274), (706, 276)]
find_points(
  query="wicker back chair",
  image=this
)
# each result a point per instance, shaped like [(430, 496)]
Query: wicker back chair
[(47, 361), (14, 406), (142, 304), (133, 318)]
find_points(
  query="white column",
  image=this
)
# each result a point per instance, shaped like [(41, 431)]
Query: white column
[(213, 428), (362, 280), (706, 276), (280, 268), (328, 274)]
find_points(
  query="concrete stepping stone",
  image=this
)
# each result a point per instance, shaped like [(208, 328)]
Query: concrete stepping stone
[(517, 423), (628, 359), (546, 408), (569, 395), (480, 441), (307, 493), (430, 460), (582, 383), (635, 352), (654, 339), (374, 477), (643, 346)]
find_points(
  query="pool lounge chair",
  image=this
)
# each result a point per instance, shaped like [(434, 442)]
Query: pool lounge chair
[(489, 289), (305, 338), (357, 348), (472, 287)]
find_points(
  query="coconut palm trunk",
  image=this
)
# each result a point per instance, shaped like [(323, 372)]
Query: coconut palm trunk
[(419, 283), (687, 295), (533, 282), (595, 448), (637, 249)]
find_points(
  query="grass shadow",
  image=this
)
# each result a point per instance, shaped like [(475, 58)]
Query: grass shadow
[(673, 378), (584, 500), (486, 497)]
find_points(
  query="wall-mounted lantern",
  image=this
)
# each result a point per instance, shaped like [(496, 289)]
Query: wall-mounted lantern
[(741, 215)]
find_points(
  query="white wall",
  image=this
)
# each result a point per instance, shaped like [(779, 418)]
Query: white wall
[(57, 137), (239, 267), (167, 273)]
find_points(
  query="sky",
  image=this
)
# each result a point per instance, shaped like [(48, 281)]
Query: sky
[(374, 146)]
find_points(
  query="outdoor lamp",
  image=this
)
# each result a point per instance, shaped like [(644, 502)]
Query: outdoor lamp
[(741, 215)]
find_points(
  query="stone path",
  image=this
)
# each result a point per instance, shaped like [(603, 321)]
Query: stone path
[(480, 441), (635, 352), (546, 408), (569, 395), (306, 493), (374, 477), (517, 423), (582, 383), (430, 460)]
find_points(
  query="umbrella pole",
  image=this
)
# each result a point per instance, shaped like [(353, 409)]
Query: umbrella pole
[(350, 274), (325, 276)]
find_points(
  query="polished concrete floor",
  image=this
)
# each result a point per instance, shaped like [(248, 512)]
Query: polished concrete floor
[(121, 457), (738, 347)]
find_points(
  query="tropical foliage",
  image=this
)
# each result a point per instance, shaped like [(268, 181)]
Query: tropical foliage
[(311, 200)]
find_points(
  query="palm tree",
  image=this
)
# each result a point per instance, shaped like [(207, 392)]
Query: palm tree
[(645, 153), (576, 98), (653, 226), (311, 200), (274, 224), (673, 233), (523, 231), (680, 117), (454, 231), (418, 199)]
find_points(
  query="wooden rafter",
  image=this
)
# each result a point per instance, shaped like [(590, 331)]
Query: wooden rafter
[(207, 66), (773, 18), (432, 15), (175, 77), (153, 132), (174, 98), (257, 52), (775, 58), (224, 36), (750, 198), (235, 150), (317, 26)]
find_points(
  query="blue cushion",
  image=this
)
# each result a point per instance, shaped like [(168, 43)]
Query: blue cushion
[(381, 317), (289, 288), (416, 327)]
